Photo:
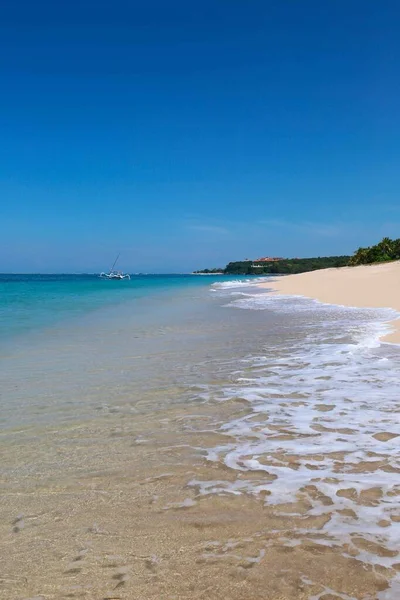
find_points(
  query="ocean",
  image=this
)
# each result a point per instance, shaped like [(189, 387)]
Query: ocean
[(195, 437)]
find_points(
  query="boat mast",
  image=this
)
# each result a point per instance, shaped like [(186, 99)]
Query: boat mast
[(115, 262)]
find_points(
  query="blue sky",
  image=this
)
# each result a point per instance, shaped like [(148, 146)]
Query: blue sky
[(187, 134)]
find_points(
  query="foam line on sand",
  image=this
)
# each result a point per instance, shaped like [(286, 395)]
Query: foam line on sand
[(370, 286)]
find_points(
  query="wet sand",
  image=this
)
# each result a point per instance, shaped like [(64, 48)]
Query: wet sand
[(370, 286), (122, 522)]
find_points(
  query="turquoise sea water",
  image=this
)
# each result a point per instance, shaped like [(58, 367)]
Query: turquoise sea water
[(31, 302)]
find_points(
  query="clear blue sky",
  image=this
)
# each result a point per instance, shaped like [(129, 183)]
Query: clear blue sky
[(187, 134)]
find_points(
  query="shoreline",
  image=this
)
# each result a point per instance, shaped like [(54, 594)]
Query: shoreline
[(366, 286), (183, 448)]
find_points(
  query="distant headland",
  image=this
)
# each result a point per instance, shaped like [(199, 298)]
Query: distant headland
[(277, 266), (386, 250)]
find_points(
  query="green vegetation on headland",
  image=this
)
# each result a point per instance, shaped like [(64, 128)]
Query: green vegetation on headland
[(385, 251), (280, 267)]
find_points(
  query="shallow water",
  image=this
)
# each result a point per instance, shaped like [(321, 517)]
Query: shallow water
[(205, 441)]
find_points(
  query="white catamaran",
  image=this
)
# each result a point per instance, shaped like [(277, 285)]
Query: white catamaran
[(115, 274)]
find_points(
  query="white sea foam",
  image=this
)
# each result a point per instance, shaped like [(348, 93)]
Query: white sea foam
[(296, 303), (237, 283), (324, 427)]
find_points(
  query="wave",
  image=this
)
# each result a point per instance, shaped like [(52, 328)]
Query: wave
[(322, 429), (237, 283)]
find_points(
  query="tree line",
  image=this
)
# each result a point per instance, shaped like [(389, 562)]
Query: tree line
[(281, 267), (386, 250)]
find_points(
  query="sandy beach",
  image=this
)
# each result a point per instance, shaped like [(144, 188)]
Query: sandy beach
[(370, 286), (209, 442)]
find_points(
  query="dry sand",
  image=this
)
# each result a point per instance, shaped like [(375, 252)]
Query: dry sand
[(372, 286)]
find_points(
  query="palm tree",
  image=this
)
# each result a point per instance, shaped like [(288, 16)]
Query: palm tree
[(387, 249)]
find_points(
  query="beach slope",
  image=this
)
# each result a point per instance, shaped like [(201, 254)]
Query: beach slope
[(369, 286)]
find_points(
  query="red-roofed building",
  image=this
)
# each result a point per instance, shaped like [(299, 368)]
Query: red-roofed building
[(268, 259)]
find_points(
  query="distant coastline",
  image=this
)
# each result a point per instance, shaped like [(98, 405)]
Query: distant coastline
[(277, 266), (386, 250)]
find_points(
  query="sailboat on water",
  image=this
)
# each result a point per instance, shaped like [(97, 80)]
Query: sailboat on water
[(115, 274)]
